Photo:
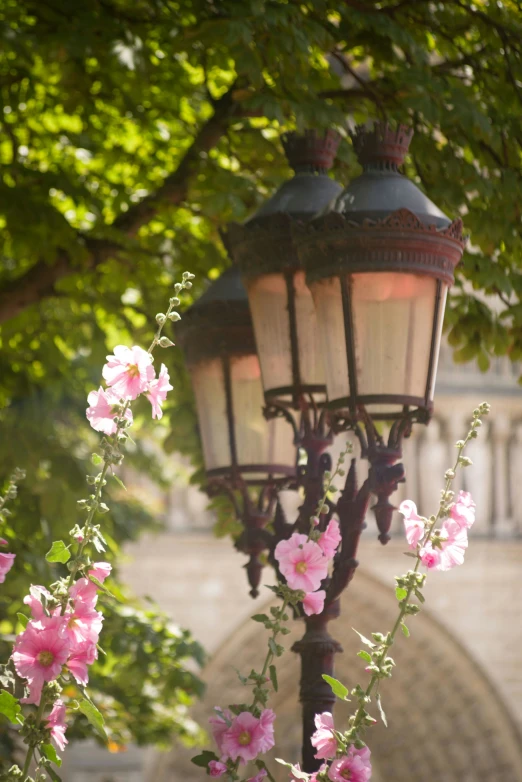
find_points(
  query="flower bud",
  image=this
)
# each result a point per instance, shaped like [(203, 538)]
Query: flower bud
[(174, 301), (188, 285), (165, 342), (174, 316), (161, 318), (449, 475), (177, 287)]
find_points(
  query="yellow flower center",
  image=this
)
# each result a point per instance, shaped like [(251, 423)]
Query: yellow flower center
[(244, 738), (132, 370), (346, 773), (45, 658), (301, 567)]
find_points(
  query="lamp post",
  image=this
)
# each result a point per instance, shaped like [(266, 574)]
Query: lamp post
[(357, 278)]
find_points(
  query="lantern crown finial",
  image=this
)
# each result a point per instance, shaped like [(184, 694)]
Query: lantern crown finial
[(311, 150), (382, 143)]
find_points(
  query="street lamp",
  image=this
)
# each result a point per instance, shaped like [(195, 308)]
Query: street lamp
[(246, 457), (358, 278)]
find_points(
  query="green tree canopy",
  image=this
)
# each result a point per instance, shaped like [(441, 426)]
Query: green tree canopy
[(131, 130)]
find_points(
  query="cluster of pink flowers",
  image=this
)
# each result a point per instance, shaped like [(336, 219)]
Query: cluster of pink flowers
[(241, 737), (304, 564), (354, 765), (128, 373), (52, 640), (447, 549), (6, 561)]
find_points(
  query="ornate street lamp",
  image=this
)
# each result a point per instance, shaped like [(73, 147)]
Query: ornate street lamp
[(246, 457)]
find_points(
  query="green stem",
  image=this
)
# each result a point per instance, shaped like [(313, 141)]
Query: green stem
[(31, 748)]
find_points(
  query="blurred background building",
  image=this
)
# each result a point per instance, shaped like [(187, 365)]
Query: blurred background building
[(454, 705)]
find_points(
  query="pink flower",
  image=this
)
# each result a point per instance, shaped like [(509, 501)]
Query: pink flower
[(302, 562), (100, 570), (216, 769), (430, 557), (104, 406), (219, 724), (83, 655), (129, 371), (413, 523), (3, 542), (57, 724), (6, 563), (321, 770), (34, 600), (454, 542), (463, 510), (351, 767), (314, 602), (84, 591), (323, 739), (40, 651), (330, 539), (157, 391), (84, 623), (248, 736), (261, 774)]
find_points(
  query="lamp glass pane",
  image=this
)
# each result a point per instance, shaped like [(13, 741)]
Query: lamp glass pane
[(258, 441), (268, 299), (438, 337), (310, 357), (209, 388), (330, 328), (393, 321)]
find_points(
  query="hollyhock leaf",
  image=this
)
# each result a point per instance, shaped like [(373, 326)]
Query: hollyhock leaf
[(405, 630), (10, 708), (364, 656), (102, 588), (381, 710), (337, 688), (58, 552), (50, 753), (296, 773), (273, 676), (204, 759), (23, 619), (119, 482), (52, 773), (263, 618), (364, 639), (96, 459), (94, 717), (401, 594)]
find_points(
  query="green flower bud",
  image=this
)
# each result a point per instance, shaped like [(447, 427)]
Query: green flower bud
[(161, 318)]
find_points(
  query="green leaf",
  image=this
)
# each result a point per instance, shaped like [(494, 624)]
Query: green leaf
[(119, 481), (23, 619), (405, 630), (401, 594), (204, 759), (337, 688), (296, 773), (381, 710), (52, 773), (260, 618), (58, 552), (95, 718), (273, 676), (96, 459), (102, 587), (10, 708), (50, 753), (364, 656), (364, 639)]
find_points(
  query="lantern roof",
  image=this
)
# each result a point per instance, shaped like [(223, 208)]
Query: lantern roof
[(381, 189)]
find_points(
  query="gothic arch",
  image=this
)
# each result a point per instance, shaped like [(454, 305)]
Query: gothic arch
[(447, 722)]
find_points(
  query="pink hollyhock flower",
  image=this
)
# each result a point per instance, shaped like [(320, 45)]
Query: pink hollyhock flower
[(57, 724), (84, 591), (323, 739), (216, 769), (103, 408), (430, 557), (84, 624), (82, 656), (249, 736), (314, 602), (413, 523), (302, 562), (3, 542), (129, 371), (6, 563), (40, 651), (454, 542), (157, 392), (261, 774), (350, 767), (463, 510), (330, 539), (34, 600), (100, 570), (219, 724)]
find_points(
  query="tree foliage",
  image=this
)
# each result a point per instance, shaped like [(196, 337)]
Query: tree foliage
[(132, 130)]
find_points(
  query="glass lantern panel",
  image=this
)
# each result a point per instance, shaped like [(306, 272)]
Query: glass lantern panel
[(330, 327), (258, 441), (310, 359), (269, 307), (438, 337), (209, 388), (393, 322)]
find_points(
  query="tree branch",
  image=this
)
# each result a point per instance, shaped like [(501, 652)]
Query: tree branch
[(39, 282)]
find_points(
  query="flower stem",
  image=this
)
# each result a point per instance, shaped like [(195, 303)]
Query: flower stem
[(32, 745)]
